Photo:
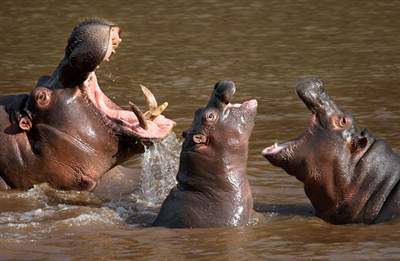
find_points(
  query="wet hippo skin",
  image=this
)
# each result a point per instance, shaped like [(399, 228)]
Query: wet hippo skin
[(67, 132), (213, 189), (348, 175)]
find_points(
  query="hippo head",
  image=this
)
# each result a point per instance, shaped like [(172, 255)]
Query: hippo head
[(68, 118), (330, 143), (221, 130), (74, 84), (214, 154), (326, 155), (213, 189)]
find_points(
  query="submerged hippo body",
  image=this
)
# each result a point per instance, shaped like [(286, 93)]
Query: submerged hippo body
[(67, 132), (349, 176), (213, 189)]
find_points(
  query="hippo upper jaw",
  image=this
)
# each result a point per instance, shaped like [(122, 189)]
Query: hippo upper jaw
[(91, 43), (101, 39)]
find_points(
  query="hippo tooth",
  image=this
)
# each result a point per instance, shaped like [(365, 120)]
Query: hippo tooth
[(162, 107), (154, 109), (149, 96), (142, 120)]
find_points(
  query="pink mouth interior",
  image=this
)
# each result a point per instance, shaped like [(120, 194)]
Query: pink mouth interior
[(277, 148), (158, 128), (248, 105)]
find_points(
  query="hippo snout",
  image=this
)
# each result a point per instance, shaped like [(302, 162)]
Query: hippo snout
[(224, 91), (311, 91)]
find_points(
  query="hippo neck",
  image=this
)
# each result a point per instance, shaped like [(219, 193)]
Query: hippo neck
[(225, 192), (213, 176), (388, 174)]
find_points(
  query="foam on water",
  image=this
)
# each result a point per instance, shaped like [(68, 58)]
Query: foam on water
[(160, 166)]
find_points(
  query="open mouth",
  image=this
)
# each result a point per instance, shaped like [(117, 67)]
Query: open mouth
[(148, 125), (287, 149), (249, 105), (277, 148)]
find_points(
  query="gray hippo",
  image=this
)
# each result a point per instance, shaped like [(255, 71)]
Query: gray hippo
[(348, 175), (213, 189), (67, 132)]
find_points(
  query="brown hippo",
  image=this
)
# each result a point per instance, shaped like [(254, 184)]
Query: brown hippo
[(67, 132), (213, 189), (349, 176)]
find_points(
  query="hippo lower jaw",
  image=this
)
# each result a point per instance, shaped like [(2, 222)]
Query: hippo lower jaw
[(277, 153), (126, 121)]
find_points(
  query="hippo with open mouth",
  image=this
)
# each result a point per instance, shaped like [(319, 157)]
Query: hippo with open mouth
[(67, 132), (349, 176), (213, 189)]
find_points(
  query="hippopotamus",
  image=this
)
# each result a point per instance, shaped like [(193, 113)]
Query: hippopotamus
[(212, 187), (67, 132), (349, 175)]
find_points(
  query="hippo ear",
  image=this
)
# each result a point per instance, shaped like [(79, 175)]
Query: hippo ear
[(42, 96), (25, 123), (200, 139)]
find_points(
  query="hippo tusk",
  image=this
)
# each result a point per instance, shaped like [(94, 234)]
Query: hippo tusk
[(150, 99), (142, 120), (154, 109)]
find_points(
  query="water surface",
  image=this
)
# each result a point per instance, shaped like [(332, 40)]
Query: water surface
[(180, 49)]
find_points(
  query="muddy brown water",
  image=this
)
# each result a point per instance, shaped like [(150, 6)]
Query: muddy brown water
[(180, 49)]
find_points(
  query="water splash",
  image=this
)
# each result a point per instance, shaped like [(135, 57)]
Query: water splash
[(160, 166)]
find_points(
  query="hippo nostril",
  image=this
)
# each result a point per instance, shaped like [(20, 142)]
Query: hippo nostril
[(224, 90), (309, 87)]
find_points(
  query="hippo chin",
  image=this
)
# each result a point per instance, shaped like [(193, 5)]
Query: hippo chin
[(213, 189), (349, 176), (67, 132)]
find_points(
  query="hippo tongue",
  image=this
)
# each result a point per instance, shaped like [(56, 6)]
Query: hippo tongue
[(277, 148), (157, 128)]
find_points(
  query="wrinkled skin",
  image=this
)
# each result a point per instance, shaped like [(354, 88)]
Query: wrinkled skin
[(213, 189), (67, 132), (349, 176)]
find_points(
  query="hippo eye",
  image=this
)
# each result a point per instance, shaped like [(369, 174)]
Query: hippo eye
[(342, 122)]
